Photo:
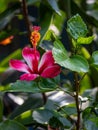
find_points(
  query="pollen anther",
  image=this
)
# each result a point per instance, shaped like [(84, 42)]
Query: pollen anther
[(35, 36)]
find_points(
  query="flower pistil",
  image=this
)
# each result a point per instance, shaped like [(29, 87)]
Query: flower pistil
[(35, 36)]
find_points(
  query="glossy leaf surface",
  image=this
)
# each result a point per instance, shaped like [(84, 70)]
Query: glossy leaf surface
[(75, 63), (44, 85), (76, 27), (11, 125)]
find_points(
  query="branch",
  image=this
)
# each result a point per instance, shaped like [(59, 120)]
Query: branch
[(25, 14), (77, 84)]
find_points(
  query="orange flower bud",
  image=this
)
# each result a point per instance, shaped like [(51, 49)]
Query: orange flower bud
[(6, 41)]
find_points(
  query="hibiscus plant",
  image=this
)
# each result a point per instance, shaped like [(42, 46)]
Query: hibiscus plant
[(53, 83)]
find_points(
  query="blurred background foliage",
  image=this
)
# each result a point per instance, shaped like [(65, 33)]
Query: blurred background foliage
[(52, 16)]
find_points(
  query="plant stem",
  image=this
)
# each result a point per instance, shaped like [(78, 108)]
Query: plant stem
[(69, 8), (77, 100), (25, 14), (44, 98), (82, 78)]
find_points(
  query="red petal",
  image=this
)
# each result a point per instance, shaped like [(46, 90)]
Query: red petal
[(36, 28), (46, 60), (32, 57), (19, 65), (28, 77), (51, 71)]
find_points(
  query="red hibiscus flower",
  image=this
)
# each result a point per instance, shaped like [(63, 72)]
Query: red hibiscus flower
[(34, 66)]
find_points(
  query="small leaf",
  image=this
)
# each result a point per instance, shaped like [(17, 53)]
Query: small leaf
[(42, 115), (11, 125), (85, 40), (76, 27)]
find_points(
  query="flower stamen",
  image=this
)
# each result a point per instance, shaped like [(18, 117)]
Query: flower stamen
[(35, 36)]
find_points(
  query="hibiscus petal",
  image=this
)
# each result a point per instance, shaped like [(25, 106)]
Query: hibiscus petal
[(32, 57), (46, 60), (51, 71), (19, 65), (28, 77)]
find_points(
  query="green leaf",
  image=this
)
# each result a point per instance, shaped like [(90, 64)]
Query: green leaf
[(15, 54), (94, 73), (65, 122), (4, 87), (25, 118), (56, 26), (54, 122), (69, 109), (2, 69), (11, 125), (45, 21), (94, 13), (48, 35), (54, 6), (75, 63), (53, 25), (90, 119), (3, 5), (54, 30), (45, 116), (33, 101), (89, 19), (59, 121), (91, 124), (58, 22), (59, 52), (95, 58), (76, 27), (44, 85), (42, 115), (85, 40)]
